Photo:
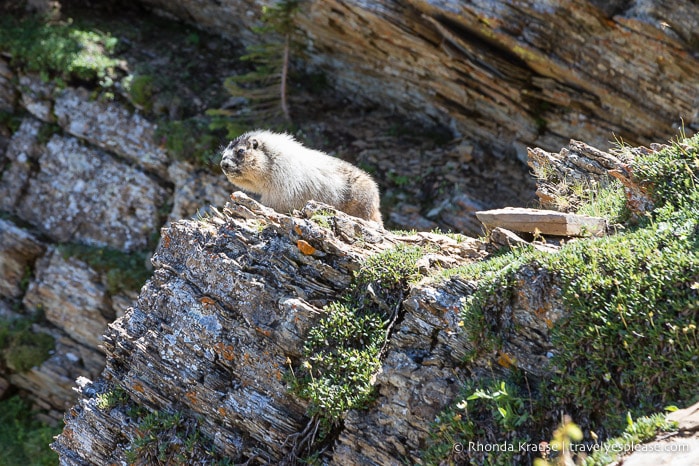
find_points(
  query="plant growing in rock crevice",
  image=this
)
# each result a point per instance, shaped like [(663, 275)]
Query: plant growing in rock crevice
[(343, 350)]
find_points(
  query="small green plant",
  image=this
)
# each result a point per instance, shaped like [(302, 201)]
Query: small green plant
[(114, 397), (322, 218), (509, 410), (170, 438), (343, 350), (122, 271), (23, 439), (20, 347), (607, 202), (493, 413)]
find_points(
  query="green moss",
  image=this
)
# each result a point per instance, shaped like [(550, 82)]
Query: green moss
[(140, 88), (23, 439), (342, 352), (630, 338), (122, 271), (11, 121), (20, 348), (58, 51)]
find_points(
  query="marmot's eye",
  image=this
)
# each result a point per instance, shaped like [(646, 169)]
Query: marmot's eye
[(240, 152)]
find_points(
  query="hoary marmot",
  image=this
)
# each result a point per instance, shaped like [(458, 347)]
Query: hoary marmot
[(287, 175)]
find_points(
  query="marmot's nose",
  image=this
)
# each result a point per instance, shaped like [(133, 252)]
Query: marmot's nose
[(227, 164)]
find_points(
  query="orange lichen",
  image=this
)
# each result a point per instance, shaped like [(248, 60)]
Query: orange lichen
[(305, 248)]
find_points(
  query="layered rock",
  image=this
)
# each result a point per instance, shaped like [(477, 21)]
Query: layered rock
[(505, 73), (86, 172), (230, 305)]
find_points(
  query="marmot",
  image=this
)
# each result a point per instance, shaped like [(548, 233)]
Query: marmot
[(287, 175)]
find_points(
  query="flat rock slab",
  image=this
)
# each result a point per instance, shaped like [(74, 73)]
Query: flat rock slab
[(545, 222)]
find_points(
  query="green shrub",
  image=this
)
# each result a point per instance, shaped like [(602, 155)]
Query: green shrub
[(171, 438), (23, 439), (20, 347), (342, 351), (58, 51)]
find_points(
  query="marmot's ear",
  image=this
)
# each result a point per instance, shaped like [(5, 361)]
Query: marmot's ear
[(254, 143)]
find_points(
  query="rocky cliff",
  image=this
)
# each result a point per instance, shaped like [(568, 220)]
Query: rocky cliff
[(92, 167), (509, 74), (222, 325), (251, 341)]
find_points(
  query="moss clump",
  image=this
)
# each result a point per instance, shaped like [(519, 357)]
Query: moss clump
[(23, 439), (122, 271), (342, 352), (59, 51), (20, 348), (140, 89), (630, 339)]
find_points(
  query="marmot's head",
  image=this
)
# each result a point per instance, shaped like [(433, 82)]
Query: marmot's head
[(244, 160)]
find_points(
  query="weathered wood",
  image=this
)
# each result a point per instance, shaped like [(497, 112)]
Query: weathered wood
[(545, 222)]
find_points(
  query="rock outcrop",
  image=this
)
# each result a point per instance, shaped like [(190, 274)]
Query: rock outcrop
[(507, 73), (231, 301)]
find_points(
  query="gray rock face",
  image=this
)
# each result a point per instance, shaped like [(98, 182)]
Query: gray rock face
[(73, 192), (112, 127), (71, 296), (18, 251), (195, 190)]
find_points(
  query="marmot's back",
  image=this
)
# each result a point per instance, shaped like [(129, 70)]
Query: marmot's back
[(287, 175)]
